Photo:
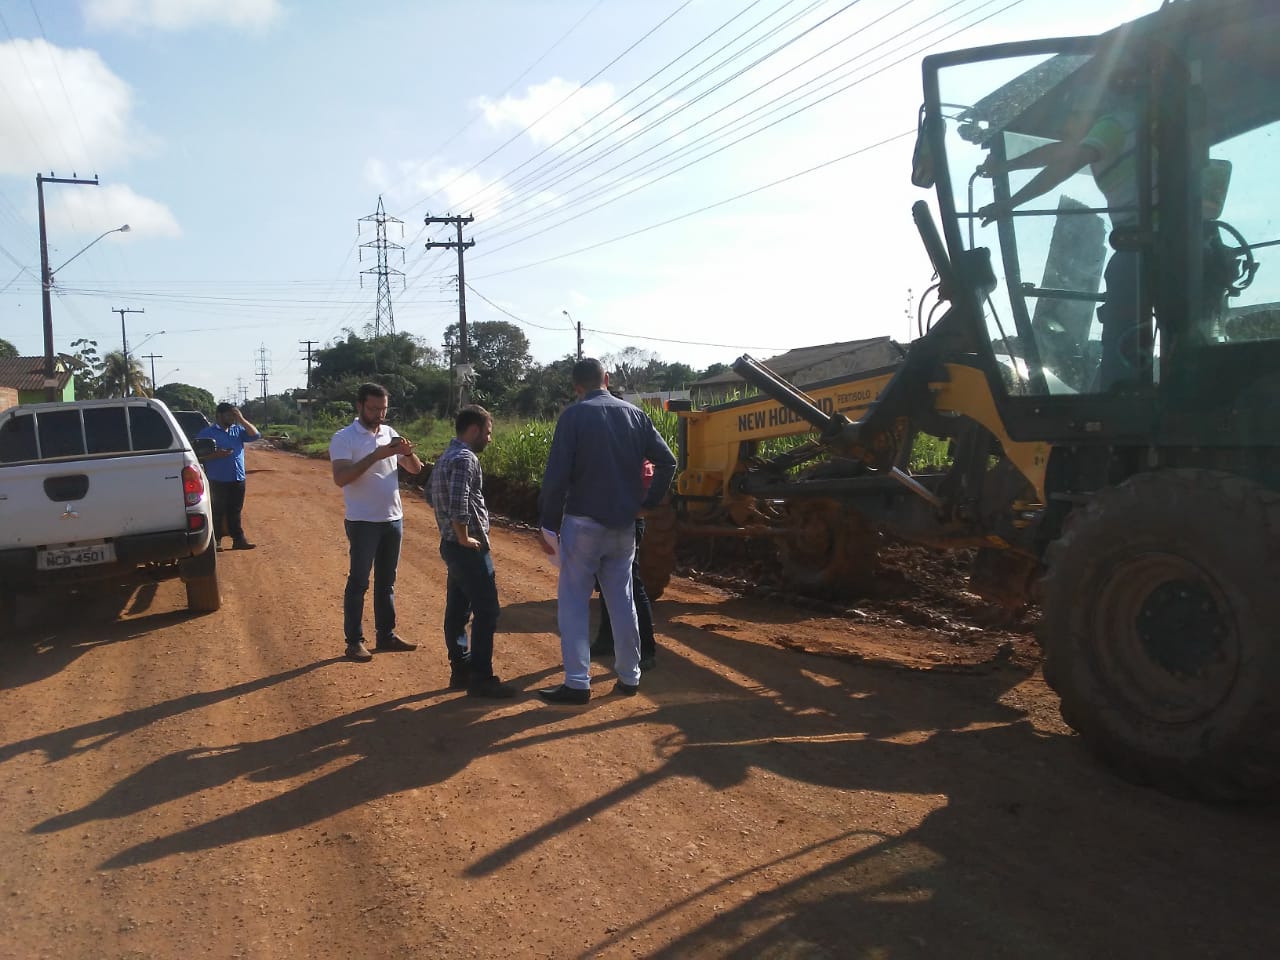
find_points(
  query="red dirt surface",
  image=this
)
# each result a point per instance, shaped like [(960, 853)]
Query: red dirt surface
[(788, 784)]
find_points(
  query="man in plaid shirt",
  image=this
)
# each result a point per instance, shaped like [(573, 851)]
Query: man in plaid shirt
[(457, 495)]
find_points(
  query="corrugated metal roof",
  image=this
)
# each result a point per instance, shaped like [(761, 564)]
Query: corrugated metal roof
[(27, 373), (786, 364)]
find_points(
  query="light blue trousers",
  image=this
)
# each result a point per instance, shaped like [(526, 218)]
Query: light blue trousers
[(591, 552)]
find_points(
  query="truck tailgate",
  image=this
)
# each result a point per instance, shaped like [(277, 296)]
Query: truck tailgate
[(76, 501)]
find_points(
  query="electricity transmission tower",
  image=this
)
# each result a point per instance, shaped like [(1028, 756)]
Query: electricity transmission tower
[(263, 368), (384, 320)]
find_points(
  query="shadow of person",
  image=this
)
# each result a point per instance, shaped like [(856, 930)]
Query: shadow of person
[(55, 628), (364, 747), (69, 741)]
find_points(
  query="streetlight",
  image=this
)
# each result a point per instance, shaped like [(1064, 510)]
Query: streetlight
[(124, 228)]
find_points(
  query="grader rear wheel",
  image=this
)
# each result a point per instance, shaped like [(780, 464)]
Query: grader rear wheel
[(657, 555), (832, 548)]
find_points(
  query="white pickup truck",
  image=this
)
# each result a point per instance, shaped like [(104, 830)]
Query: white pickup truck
[(102, 490)]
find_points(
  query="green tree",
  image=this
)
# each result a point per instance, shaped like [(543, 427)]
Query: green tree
[(401, 362), (121, 377), (499, 353), (629, 370), (675, 376), (7, 350), (87, 366), (183, 396), (546, 389)]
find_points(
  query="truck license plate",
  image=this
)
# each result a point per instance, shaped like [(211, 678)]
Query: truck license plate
[(59, 558)]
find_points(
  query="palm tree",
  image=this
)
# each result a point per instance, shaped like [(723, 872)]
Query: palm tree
[(121, 377)]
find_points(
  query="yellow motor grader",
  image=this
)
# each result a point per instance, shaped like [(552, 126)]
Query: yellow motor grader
[(1107, 371)]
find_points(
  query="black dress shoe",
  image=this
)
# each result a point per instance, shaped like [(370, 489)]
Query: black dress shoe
[(243, 545), (626, 689), (563, 694), (394, 644)]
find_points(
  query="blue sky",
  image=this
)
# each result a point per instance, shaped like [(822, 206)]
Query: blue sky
[(243, 140)]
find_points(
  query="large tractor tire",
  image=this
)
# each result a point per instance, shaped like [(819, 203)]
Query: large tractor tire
[(1161, 631), (200, 576), (657, 556), (831, 548)]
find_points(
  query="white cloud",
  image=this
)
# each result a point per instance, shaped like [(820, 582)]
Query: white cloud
[(91, 210), (564, 113), (87, 128), (180, 14)]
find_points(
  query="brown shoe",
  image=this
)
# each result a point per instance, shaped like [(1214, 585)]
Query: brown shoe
[(358, 652), (394, 644), (491, 688)]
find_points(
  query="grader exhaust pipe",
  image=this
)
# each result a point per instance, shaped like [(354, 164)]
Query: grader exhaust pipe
[(833, 426), (768, 382)]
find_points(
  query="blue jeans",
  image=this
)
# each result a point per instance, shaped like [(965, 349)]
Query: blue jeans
[(471, 592), (591, 552), (375, 545)]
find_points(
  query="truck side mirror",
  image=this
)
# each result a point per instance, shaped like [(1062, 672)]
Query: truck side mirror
[(204, 447)]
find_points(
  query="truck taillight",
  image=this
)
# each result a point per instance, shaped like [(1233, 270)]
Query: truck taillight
[(192, 485)]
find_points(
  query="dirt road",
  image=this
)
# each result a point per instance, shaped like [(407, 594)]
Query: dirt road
[(228, 786)]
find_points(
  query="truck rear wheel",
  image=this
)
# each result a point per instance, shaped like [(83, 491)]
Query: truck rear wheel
[(200, 576), (1160, 607)]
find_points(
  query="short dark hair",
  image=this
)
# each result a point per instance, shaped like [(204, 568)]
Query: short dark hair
[(470, 416), (588, 373), (368, 390), (223, 407)]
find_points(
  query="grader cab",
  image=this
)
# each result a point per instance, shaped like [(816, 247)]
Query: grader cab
[(1107, 371)]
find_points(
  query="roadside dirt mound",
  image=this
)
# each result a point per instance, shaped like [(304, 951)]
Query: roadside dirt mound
[(914, 586)]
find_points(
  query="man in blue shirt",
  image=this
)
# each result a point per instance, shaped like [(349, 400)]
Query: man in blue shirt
[(592, 490), (225, 469)]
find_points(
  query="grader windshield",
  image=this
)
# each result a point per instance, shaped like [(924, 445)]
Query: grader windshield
[(1080, 162)]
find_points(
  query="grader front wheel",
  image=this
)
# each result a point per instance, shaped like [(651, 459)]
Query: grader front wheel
[(831, 548), (1159, 631)]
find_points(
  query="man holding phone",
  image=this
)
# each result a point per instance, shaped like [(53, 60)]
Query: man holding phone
[(365, 457), (230, 431)]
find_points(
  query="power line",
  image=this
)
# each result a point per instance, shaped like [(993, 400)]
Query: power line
[(505, 90), (577, 90), (704, 209), (727, 128), (616, 333), (617, 103)]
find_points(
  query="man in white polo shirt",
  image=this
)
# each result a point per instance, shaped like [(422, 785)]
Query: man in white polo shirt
[(365, 456)]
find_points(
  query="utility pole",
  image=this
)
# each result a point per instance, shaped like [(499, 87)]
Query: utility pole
[(124, 340), (459, 245), (578, 326), (46, 282), (382, 312), (153, 357), (308, 344), (264, 360)]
